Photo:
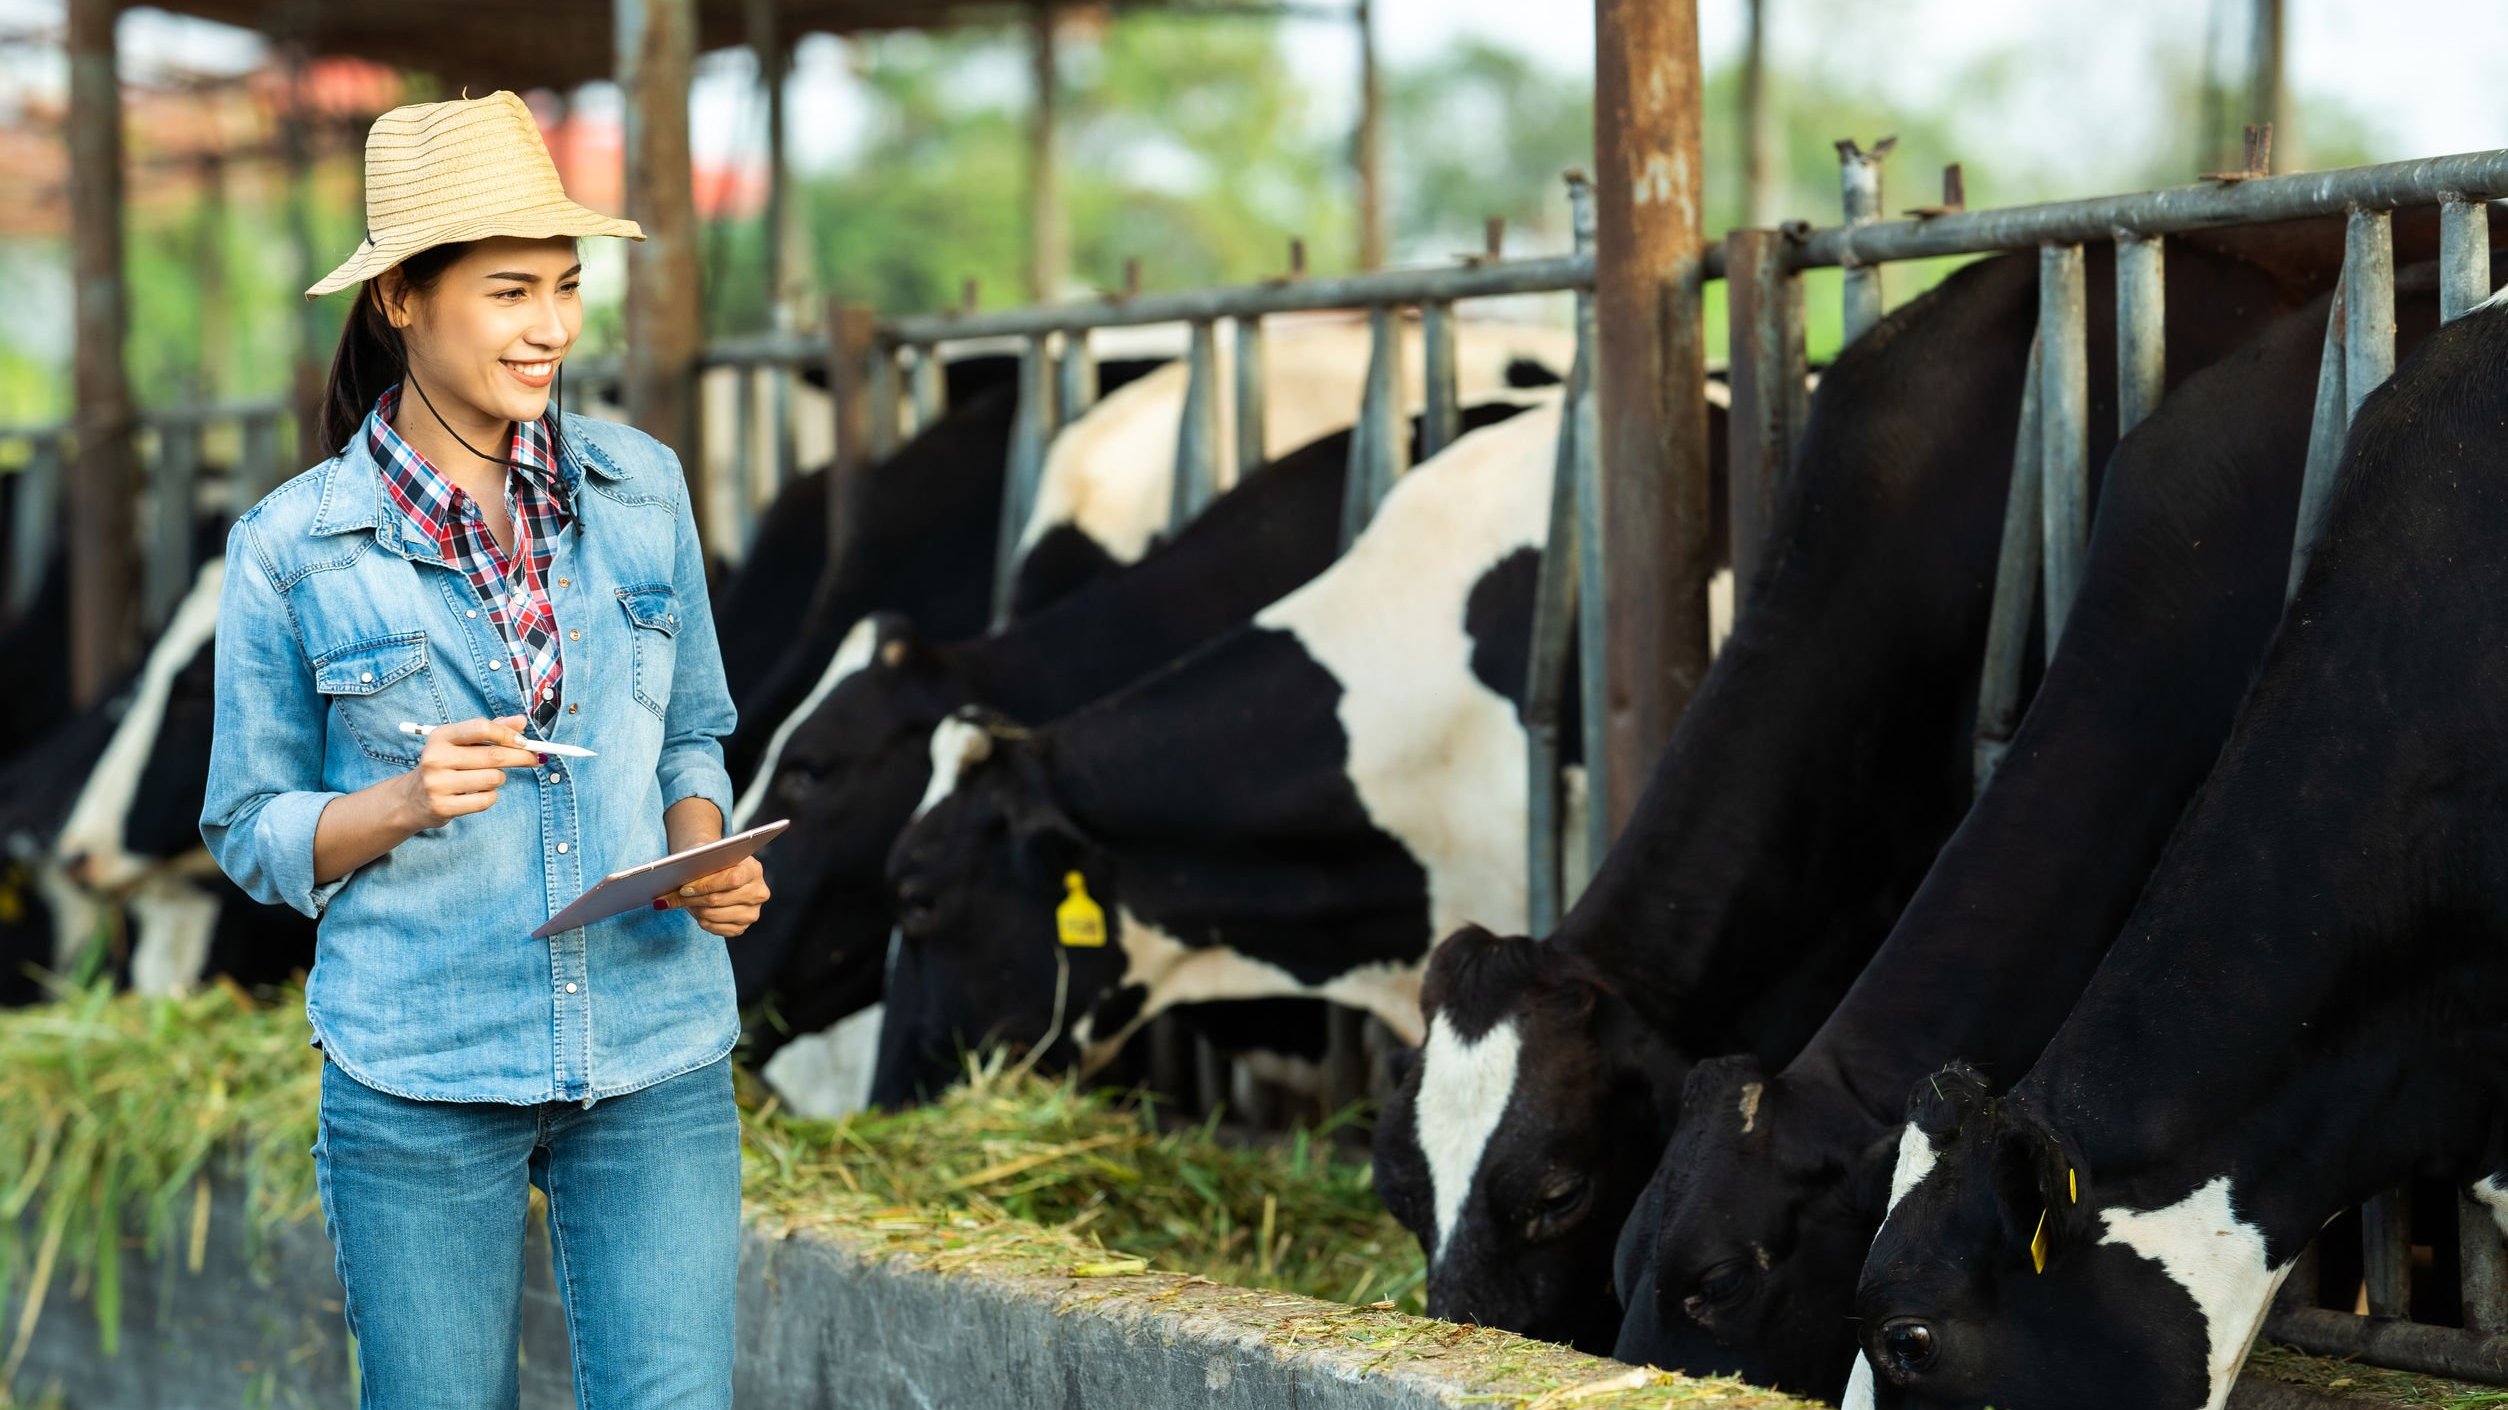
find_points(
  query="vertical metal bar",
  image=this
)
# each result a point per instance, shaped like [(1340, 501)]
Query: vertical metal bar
[(1584, 440), (931, 387), (2483, 1261), (1029, 433), (2064, 427), (1381, 443), (1196, 479), (169, 567), (1253, 412), (1345, 1055), (2326, 430), (1076, 380), (883, 399), (2015, 589), (1767, 377), (34, 521), (1859, 192), (744, 455), (1545, 690), (2464, 256), (257, 467), (1443, 404), (2141, 318), (2369, 328), (779, 410), (2386, 1253)]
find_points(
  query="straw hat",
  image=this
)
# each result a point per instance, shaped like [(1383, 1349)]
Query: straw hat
[(460, 170)]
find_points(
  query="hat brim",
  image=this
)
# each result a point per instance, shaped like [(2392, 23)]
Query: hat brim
[(374, 257)]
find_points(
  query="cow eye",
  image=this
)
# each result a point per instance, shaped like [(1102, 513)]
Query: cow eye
[(1725, 1281), (1559, 1198), (1907, 1345)]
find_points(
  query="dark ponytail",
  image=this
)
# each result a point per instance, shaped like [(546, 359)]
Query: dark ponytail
[(369, 358)]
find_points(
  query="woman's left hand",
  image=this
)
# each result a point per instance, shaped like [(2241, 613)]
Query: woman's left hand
[(724, 902)]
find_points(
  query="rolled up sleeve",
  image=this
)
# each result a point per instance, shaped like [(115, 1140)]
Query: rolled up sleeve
[(700, 712), (265, 753)]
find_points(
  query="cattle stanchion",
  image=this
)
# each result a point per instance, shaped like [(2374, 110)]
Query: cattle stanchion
[(1075, 384), (1859, 190), (1380, 444), (929, 391), (167, 573), (1030, 432), (2064, 429), (1196, 481), (2015, 588), (1767, 371), (1441, 408), (1545, 691), (2369, 287), (2141, 324), (882, 375), (1252, 411), (1582, 413), (2464, 255)]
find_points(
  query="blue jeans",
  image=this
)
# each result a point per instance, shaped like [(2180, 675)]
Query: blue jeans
[(426, 1204)]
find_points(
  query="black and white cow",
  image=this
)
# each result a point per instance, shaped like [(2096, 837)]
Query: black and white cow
[(2304, 1008), (1297, 809), (849, 772), (1741, 1256), (1104, 495), (1804, 793)]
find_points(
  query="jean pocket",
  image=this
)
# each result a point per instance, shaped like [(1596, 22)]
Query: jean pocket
[(653, 633), (375, 684)]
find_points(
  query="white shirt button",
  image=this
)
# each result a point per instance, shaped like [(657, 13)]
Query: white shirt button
[(365, 677), (570, 986), (561, 846), (473, 612), (493, 665)]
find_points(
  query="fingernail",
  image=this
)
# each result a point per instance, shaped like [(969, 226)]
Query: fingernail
[(688, 890), (661, 903)]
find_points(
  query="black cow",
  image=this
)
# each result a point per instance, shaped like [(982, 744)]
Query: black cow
[(1740, 1258), (1804, 792), (850, 765), (1297, 809), (2306, 1005)]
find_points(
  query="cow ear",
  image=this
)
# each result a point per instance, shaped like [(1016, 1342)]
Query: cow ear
[(1942, 1103), (2039, 1181), (898, 641)]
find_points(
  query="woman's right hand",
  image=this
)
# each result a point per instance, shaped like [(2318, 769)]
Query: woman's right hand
[(461, 769)]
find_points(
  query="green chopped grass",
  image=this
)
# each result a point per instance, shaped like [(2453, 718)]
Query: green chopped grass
[(2271, 1361)]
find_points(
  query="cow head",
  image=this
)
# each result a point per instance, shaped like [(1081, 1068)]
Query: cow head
[(847, 775), (1519, 1138), (1741, 1257), (977, 880), (1998, 1279)]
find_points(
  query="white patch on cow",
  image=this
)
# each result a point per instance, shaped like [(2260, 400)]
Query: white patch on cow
[(174, 920), (827, 1074), (95, 828), (1749, 1104), (1719, 610), (1916, 1156), (2494, 1196), (852, 655), (1858, 1385), (1435, 756), (1719, 395), (1464, 1086), (2218, 1258), (955, 745), (1301, 1075), (78, 915), (1111, 474)]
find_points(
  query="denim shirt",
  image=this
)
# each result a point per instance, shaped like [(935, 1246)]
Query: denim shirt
[(335, 624)]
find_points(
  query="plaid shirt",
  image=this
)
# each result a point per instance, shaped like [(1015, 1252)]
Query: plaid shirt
[(514, 590)]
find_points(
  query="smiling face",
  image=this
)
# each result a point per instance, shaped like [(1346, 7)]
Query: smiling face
[(1742, 1257), (485, 338), (1517, 1142)]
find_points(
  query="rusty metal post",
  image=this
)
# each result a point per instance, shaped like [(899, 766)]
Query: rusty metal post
[(774, 59), (1767, 369), (1049, 241), (1442, 406), (2015, 588), (1859, 192), (2464, 256), (2064, 428), (1075, 378), (101, 571), (851, 339), (1031, 434), (1196, 479), (657, 45), (2141, 321), (1368, 143), (1759, 159), (1650, 379), (1252, 409)]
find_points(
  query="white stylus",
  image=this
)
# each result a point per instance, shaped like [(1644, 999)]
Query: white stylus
[(536, 746)]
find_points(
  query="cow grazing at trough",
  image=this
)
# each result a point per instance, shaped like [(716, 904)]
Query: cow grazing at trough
[(1110, 477), (2304, 1008), (848, 766), (1741, 1257), (1804, 792), (1297, 809)]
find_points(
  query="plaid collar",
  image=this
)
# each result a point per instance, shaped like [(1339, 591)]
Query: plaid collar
[(427, 500)]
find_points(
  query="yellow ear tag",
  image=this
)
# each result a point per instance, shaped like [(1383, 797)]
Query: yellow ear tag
[(12, 904), (2072, 1178), (1078, 920), (2037, 1244)]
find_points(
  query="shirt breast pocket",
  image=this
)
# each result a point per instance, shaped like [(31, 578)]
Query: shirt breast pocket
[(653, 633), (375, 684)]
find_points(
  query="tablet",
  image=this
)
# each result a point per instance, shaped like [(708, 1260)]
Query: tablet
[(623, 891)]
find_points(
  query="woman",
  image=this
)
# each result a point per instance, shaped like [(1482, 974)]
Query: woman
[(473, 562)]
